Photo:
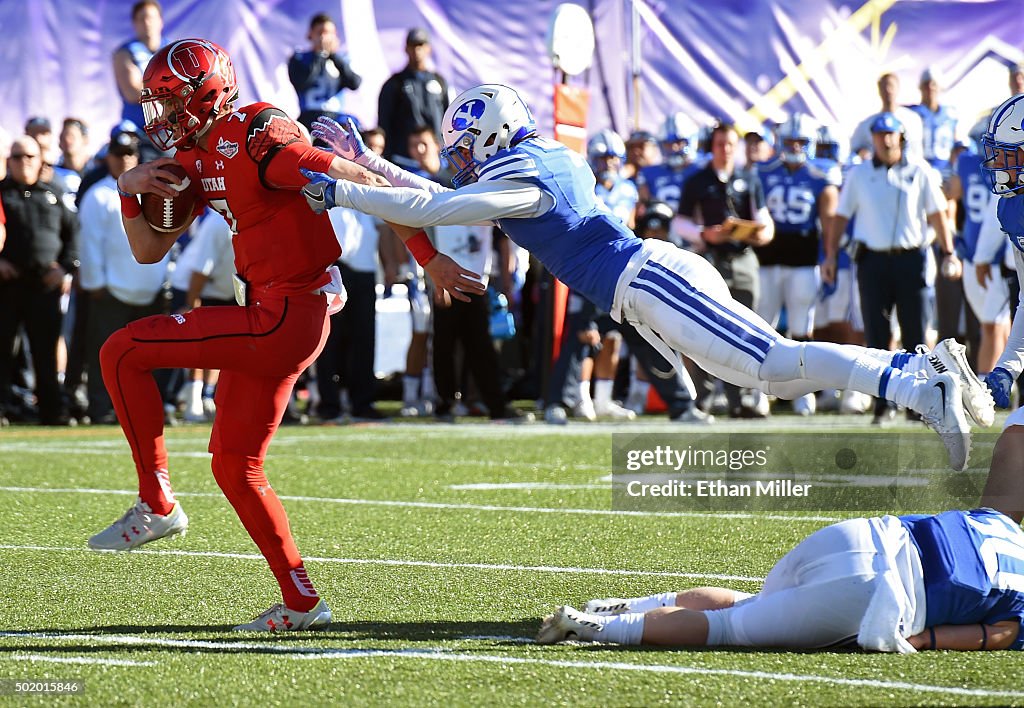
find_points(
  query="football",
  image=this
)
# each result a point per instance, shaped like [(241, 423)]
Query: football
[(169, 215)]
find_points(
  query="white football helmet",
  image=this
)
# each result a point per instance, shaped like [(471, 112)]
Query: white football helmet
[(483, 121), (827, 145), (1003, 144), (678, 128), (798, 128), (604, 143)]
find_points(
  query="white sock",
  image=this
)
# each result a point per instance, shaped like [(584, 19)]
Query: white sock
[(622, 629), (866, 374), (602, 392), (195, 395), (652, 602), (584, 391), (428, 393), (410, 390)]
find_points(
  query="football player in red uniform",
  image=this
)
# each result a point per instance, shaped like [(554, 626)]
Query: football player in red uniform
[(247, 162)]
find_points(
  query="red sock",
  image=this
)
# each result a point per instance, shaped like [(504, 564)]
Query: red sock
[(155, 490), (242, 480)]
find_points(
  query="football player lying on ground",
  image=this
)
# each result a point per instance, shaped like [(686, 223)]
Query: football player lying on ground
[(246, 160), (542, 195), (891, 583)]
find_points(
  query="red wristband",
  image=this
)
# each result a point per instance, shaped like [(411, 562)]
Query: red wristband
[(421, 248), (130, 206)]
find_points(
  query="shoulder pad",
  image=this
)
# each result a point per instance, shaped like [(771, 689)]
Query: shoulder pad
[(512, 164), (269, 128)]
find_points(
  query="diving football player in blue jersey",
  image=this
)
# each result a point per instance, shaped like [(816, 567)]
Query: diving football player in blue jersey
[(894, 583), (664, 182), (542, 195)]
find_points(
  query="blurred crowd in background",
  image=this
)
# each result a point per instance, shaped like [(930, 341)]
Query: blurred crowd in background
[(886, 237)]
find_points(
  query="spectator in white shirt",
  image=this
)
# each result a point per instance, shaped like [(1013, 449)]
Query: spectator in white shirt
[(121, 290), (895, 198), (913, 129)]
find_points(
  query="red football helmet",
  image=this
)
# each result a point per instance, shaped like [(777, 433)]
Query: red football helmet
[(184, 86)]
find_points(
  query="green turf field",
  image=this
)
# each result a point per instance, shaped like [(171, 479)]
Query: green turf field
[(439, 548)]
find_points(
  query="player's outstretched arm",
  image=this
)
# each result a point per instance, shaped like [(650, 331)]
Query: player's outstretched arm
[(346, 142), (448, 276), (148, 245)]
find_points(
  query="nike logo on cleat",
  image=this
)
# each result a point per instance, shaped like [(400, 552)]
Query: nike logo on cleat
[(942, 385)]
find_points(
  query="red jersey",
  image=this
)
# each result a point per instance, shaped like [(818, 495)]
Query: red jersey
[(249, 173)]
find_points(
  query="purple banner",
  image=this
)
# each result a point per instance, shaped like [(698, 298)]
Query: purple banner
[(740, 59)]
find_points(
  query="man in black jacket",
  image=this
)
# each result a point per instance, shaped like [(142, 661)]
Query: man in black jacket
[(35, 258), (413, 97)]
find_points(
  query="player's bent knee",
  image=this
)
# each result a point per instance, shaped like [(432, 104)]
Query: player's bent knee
[(784, 362), (114, 349), (233, 472)]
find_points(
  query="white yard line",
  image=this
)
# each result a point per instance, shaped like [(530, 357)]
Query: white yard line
[(671, 669), (79, 660), (454, 506), (405, 563), (441, 654)]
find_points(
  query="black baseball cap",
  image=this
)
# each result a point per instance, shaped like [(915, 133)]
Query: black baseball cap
[(123, 144), (38, 123), (417, 36)]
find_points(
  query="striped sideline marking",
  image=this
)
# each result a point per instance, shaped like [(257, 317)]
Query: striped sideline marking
[(445, 505), (440, 654), (79, 660), (407, 563)]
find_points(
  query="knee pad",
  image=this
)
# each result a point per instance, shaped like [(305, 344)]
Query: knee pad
[(785, 362)]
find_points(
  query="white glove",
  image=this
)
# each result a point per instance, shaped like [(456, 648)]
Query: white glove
[(345, 142)]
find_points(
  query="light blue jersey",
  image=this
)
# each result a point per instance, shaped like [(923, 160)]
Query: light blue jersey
[(581, 242), (939, 135), (621, 199), (664, 183), (976, 195), (973, 564)]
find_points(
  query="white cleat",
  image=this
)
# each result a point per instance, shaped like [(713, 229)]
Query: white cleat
[(805, 405), (280, 619), (611, 409), (606, 607), (944, 413), (585, 410), (951, 356), (694, 416), (854, 402), (555, 415), (139, 526), (567, 624)]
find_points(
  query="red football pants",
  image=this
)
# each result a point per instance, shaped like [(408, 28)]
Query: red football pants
[(260, 351)]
